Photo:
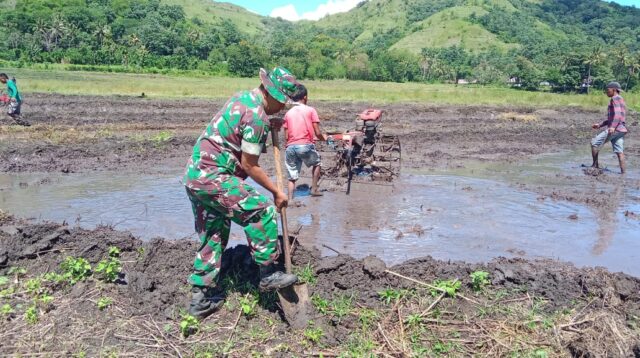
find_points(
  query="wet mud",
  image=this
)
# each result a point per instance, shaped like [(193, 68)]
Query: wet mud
[(81, 133)]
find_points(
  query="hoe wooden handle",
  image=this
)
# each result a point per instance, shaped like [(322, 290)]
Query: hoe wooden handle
[(283, 211)]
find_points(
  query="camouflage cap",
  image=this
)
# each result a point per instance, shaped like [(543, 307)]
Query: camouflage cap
[(280, 83)]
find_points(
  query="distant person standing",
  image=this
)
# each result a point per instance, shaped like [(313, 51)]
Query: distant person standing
[(615, 127), (301, 125), (15, 100)]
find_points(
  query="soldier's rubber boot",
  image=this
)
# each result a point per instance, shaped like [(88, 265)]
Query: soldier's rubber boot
[(272, 279), (205, 301)]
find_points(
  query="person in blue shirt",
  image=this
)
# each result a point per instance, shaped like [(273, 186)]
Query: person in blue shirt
[(15, 100)]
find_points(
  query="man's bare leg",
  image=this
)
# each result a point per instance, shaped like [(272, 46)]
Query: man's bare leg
[(315, 191), (594, 155), (292, 188), (621, 161)]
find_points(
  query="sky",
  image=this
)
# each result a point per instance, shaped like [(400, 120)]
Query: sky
[(294, 10)]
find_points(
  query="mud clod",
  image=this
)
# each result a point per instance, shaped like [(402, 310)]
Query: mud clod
[(373, 266)]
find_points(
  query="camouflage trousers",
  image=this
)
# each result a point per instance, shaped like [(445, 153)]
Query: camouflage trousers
[(216, 202)]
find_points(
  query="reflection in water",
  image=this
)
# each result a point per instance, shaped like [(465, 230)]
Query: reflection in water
[(607, 218)]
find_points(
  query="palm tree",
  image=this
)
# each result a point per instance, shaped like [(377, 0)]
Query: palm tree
[(102, 32), (594, 58), (194, 35), (57, 29), (620, 61), (134, 40), (40, 26), (633, 67)]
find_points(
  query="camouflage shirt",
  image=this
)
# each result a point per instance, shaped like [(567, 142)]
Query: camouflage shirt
[(240, 126)]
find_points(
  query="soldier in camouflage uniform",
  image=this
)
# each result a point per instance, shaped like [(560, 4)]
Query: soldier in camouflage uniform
[(224, 155)]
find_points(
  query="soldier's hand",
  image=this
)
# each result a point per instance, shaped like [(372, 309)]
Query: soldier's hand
[(280, 200), (611, 130), (595, 126)]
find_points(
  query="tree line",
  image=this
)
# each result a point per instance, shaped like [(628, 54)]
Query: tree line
[(138, 35)]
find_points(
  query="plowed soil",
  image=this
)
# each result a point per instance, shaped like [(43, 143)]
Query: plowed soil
[(361, 308)]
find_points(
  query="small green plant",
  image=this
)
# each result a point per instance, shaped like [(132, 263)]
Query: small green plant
[(140, 252), (75, 269), (31, 314), (4, 280), (248, 304), (442, 348), (161, 138), (114, 251), (450, 287), (53, 277), (7, 292), (306, 275), (6, 309), (341, 306), (109, 270), (104, 302), (46, 299), (367, 316), (389, 294), (33, 286), (540, 353), (313, 334), (479, 279), (414, 320), (17, 271), (189, 325), (321, 304)]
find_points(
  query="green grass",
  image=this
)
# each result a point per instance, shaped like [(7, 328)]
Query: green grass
[(163, 86)]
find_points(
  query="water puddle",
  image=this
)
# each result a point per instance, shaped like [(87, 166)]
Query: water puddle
[(472, 214)]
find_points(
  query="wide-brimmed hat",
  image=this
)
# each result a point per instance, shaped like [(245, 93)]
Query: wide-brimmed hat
[(280, 84), (614, 85)]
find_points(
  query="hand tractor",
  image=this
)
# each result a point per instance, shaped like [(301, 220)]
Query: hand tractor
[(364, 153)]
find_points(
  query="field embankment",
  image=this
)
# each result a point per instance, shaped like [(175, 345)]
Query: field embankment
[(55, 300)]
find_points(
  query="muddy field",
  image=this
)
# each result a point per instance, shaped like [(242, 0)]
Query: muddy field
[(75, 133), (521, 308)]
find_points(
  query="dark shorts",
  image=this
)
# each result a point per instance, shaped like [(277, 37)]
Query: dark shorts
[(14, 108)]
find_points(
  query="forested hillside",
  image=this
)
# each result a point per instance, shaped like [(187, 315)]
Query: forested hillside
[(563, 42)]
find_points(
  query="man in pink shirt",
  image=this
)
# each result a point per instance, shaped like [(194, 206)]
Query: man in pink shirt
[(301, 126)]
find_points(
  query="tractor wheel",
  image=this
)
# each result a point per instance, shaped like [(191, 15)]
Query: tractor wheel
[(388, 156)]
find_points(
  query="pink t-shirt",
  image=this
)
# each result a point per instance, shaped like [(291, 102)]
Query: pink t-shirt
[(299, 124)]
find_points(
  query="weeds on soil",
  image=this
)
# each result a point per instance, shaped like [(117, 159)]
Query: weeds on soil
[(306, 275)]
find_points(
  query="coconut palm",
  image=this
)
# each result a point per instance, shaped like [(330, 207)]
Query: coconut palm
[(633, 68), (594, 58), (102, 32)]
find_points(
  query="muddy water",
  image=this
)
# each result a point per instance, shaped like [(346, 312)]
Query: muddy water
[(473, 213)]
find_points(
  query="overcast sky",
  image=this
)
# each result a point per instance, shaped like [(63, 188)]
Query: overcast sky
[(315, 9)]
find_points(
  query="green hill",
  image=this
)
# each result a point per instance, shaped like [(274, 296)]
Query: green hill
[(214, 12), (451, 27)]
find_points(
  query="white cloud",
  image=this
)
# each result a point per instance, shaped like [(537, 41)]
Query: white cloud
[(290, 13), (286, 12)]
